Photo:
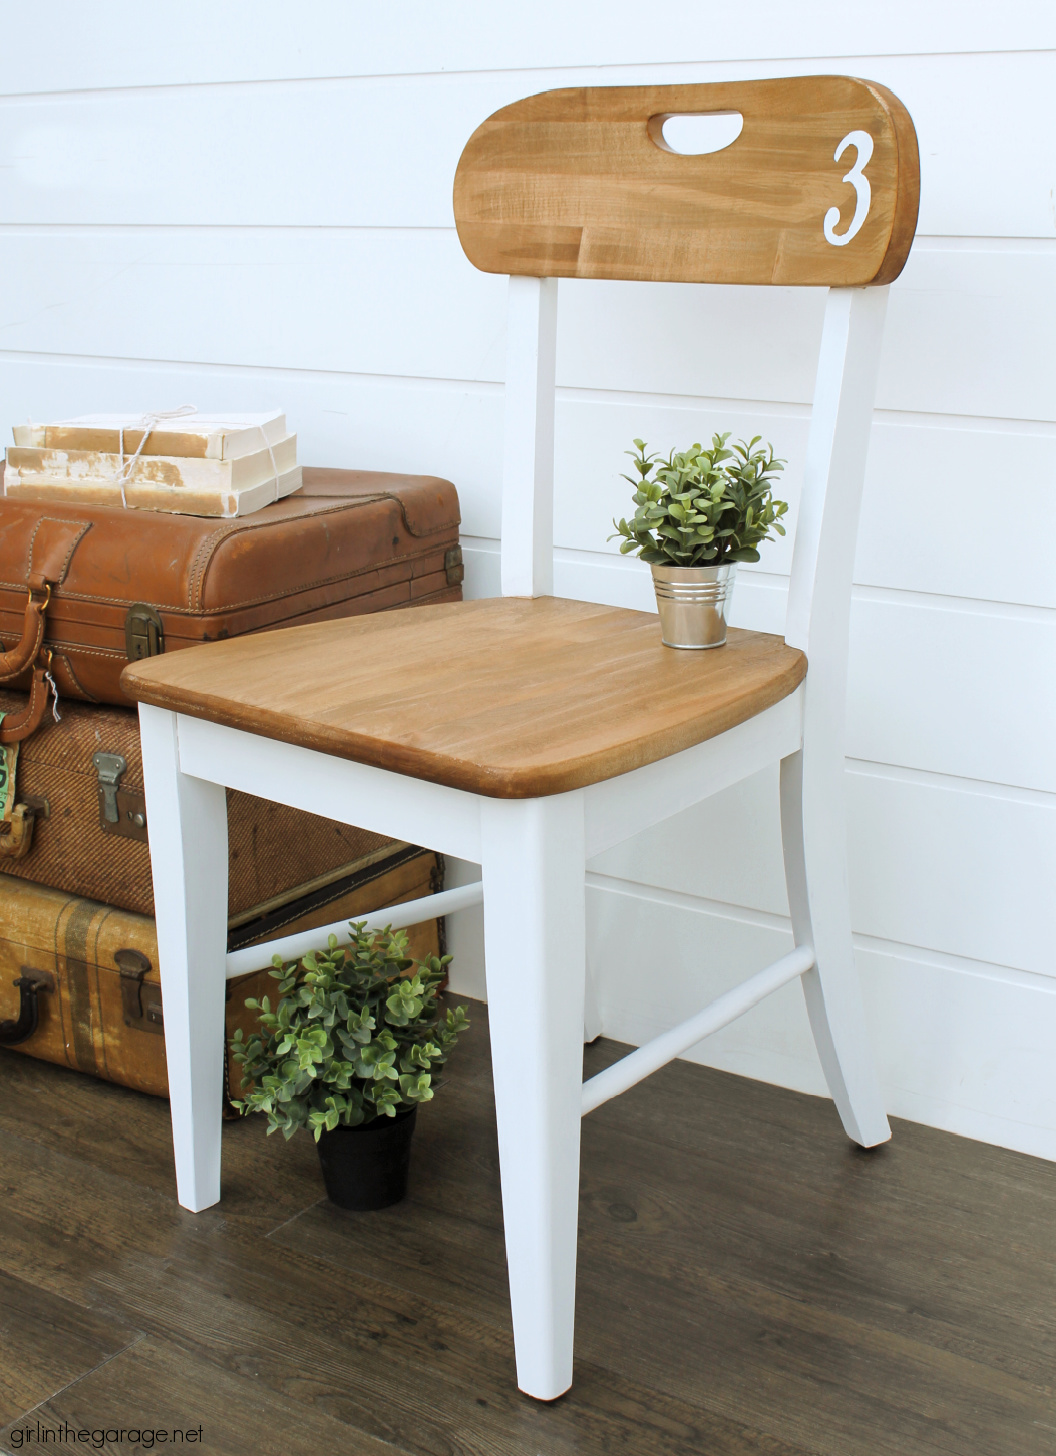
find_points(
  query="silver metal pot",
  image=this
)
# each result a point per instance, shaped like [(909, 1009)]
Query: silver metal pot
[(694, 602)]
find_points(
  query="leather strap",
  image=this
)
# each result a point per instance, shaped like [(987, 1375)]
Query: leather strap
[(20, 656), (50, 551), (17, 726)]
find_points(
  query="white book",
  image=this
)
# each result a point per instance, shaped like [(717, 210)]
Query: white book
[(196, 436)]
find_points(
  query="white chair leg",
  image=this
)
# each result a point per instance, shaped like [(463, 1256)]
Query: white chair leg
[(187, 824), (591, 1006), (534, 947), (813, 830)]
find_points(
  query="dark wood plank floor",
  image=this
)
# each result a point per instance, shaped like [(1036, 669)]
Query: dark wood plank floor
[(750, 1284)]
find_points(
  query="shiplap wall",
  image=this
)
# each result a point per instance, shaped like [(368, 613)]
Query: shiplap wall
[(239, 205)]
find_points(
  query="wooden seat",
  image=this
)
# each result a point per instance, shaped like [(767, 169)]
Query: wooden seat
[(510, 697)]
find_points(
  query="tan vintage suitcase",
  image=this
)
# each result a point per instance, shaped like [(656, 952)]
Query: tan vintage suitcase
[(86, 589), (84, 829), (92, 970)]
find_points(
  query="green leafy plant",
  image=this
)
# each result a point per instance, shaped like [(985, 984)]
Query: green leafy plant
[(358, 1033), (702, 507)]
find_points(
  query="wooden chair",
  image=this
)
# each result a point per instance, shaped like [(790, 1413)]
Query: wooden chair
[(528, 733)]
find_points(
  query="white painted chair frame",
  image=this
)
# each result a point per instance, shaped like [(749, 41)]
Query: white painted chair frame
[(533, 852)]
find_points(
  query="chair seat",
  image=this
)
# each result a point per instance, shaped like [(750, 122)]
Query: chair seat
[(510, 697)]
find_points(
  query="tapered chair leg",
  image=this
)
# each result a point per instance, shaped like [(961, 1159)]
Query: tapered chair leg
[(534, 944), (813, 830), (591, 1006), (187, 821)]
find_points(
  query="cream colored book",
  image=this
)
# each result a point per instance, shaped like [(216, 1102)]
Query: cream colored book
[(156, 496), (194, 436), (182, 485), (177, 470)]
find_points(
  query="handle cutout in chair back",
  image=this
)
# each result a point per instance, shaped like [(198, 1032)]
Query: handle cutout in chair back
[(696, 133), (820, 186)]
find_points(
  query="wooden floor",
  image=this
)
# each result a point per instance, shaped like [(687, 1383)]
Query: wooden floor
[(748, 1283)]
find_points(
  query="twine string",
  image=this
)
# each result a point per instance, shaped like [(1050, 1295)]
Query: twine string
[(54, 695), (123, 474), (271, 452), (148, 423)]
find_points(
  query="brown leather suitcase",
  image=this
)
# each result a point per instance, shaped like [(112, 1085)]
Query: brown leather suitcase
[(89, 972), (76, 820), (85, 590)]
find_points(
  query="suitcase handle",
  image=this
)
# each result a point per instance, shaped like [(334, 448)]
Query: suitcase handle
[(20, 657), (16, 833), (50, 553), (30, 983), (17, 726)]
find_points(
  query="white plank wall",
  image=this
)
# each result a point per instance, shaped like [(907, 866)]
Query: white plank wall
[(249, 204)]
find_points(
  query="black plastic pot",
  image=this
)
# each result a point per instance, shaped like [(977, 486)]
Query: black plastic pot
[(366, 1166)]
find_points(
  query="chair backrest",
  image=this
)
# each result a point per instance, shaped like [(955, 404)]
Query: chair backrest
[(819, 188)]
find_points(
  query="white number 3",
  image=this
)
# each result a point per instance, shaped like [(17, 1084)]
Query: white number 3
[(863, 194)]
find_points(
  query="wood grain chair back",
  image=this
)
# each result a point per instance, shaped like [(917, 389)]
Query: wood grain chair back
[(820, 187)]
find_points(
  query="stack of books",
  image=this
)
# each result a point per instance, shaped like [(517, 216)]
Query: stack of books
[(192, 464)]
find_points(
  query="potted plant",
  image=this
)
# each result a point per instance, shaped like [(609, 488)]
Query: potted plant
[(349, 1052), (700, 513)]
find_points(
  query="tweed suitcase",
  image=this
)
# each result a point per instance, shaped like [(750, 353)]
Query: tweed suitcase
[(82, 826), (90, 971), (86, 589)]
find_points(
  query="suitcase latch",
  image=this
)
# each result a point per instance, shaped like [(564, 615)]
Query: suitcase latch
[(109, 767), (121, 811), (453, 566), (141, 1004), (144, 632)]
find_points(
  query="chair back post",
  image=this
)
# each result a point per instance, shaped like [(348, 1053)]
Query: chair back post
[(527, 531), (819, 597)]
